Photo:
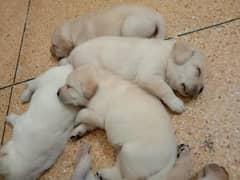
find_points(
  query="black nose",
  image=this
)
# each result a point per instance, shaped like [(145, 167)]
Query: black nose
[(58, 92), (201, 90)]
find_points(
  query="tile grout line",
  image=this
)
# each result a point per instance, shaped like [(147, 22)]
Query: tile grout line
[(178, 35), (205, 28), (16, 67)]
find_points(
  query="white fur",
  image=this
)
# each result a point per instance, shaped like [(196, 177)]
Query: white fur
[(135, 123), (158, 66), (39, 134), (121, 20)]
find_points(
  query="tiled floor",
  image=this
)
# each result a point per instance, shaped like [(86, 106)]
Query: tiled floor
[(211, 123)]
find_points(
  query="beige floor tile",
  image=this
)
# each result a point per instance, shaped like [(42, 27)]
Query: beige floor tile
[(211, 123), (45, 15), (4, 97), (12, 20)]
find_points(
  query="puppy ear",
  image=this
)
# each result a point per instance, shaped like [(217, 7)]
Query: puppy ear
[(89, 88), (181, 53)]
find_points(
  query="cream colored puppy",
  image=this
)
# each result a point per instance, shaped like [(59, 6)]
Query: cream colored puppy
[(180, 171), (158, 66), (135, 122), (122, 20), (212, 172), (39, 134)]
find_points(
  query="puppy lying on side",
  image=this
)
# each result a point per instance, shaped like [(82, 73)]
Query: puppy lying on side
[(39, 134), (158, 66), (179, 172), (122, 20), (136, 123)]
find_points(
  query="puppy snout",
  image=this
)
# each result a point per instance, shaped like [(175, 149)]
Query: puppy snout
[(58, 92)]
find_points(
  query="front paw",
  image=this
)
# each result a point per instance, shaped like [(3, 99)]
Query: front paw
[(183, 150), (99, 176), (176, 105)]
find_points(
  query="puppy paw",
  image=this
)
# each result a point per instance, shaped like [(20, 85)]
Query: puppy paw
[(99, 176), (76, 135), (183, 150), (176, 105)]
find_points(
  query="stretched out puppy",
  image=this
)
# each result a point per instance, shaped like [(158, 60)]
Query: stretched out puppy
[(212, 172), (122, 20), (136, 123), (158, 66), (39, 134), (179, 172)]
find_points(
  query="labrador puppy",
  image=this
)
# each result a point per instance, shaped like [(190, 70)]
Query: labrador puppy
[(180, 171), (121, 20), (212, 172), (136, 123), (158, 66), (39, 134)]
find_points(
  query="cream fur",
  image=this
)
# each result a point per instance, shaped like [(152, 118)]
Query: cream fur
[(121, 20), (158, 66), (136, 123), (39, 134)]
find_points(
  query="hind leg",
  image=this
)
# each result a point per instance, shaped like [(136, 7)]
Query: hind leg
[(30, 87), (11, 119)]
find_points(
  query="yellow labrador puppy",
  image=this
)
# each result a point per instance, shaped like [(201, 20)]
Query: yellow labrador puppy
[(122, 20), (158, 66), (180, 171), (136, 123), (212, 172)]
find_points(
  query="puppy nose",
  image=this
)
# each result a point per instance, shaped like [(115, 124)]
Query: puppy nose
[(58, 92)]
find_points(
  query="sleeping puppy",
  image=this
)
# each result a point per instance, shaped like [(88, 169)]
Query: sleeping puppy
[(39, 134), (180, 171), (158, 66), (122, 20), (136, 123), (212, 172)]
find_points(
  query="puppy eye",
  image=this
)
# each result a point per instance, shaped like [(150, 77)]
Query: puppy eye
[(68, 86), (199, 72)]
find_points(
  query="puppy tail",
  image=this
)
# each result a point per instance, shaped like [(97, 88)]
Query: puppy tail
[(83, 167)]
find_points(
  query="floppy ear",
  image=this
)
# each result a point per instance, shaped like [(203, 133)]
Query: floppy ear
[(89, 88), (181, 53)]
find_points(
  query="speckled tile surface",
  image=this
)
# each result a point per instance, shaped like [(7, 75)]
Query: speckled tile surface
[(211, 123), (12, 20), (44, 15)]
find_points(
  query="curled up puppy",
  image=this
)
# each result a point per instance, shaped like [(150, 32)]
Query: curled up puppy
[(136, 123), (39, 134), (121, 20), (158, 66)]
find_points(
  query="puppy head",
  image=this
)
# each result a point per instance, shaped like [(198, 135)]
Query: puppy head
[(212, 172), (61, 42), (79, 88), (185, 70)]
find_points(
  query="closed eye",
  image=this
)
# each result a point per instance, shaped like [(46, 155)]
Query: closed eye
[(199, 72)]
